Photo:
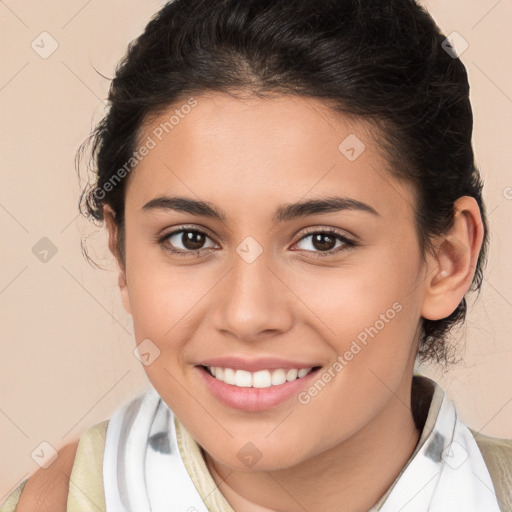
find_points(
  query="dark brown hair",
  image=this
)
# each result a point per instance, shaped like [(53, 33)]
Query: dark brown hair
[(381, 60)]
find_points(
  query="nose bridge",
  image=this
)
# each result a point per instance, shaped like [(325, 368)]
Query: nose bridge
[(249, 301), (249, 265), (249, 280)]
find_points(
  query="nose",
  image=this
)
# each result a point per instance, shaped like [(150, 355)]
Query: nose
[(253, 301)]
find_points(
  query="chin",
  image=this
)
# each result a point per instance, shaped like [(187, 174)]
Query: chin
[(251, 458)]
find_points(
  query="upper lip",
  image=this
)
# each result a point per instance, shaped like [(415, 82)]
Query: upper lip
[(254, 365)]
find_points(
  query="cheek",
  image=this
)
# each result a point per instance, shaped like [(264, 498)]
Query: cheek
[(376, 296), (371, 335), (162, 295), (368, 315)]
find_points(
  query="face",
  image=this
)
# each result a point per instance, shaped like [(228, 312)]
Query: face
[(267, 286)]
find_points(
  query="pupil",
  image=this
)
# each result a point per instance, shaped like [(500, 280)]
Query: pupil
[(189, 242), (319, 241)]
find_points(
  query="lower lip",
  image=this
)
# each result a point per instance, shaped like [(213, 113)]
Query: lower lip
[(254, 399)]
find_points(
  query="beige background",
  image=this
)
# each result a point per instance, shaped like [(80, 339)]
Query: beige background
[(67, 360)]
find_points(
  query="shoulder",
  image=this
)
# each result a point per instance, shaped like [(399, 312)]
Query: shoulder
[(497, 454), (61, 486), (47, 489), (494, 446)]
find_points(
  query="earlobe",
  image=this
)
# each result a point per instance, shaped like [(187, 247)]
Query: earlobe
[(125, 296), (109, 216), (452, 269)]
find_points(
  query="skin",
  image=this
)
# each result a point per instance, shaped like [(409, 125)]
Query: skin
[(343, 449), (47, 489)]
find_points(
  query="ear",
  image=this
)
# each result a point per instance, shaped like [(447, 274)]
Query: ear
[(452, 268), (109, 216)]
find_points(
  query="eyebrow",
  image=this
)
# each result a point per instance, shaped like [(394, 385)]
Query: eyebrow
[(283, 213)]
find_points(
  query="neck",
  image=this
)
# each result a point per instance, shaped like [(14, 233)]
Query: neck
[(350, 477)]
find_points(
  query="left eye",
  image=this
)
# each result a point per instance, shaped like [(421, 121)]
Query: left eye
[(325, 241)]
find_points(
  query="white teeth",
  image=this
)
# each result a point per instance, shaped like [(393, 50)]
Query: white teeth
[(278, 377), (229, 376), (259, 379), (243, 379), (291, 374)]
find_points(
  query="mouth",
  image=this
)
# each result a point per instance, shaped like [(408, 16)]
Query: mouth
[(255, 391), (259, 379)]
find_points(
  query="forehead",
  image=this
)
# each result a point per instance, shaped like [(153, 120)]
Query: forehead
[(263, 151)]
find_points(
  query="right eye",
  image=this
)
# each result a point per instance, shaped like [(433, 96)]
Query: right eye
[(191, 240)]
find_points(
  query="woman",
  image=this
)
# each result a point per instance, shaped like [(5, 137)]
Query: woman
[(290, 193)]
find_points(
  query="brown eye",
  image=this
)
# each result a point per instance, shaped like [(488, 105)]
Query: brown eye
[(192, 240), (183, 241), (325, 242)]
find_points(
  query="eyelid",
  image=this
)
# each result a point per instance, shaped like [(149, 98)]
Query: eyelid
[(338, 231), (185, 227)]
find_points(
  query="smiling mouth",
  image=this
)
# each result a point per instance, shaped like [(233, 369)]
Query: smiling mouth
[(259, 379)]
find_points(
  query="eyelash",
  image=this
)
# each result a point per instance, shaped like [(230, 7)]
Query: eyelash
[(349, 244)]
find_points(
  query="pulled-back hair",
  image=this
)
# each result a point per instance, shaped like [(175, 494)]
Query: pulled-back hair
[(380, 60)]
